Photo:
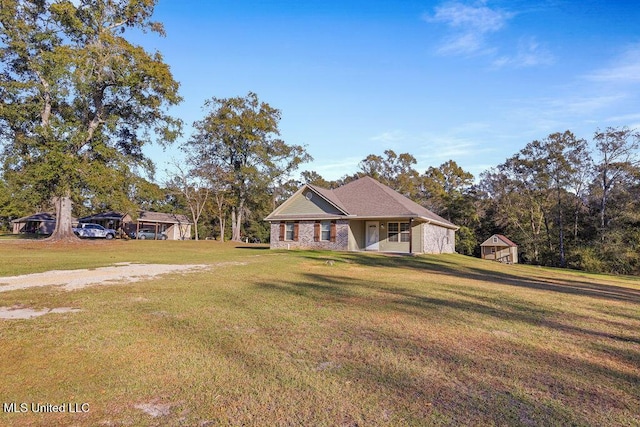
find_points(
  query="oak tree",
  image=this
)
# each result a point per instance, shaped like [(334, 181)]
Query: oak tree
[(239, 139), (79, 101)]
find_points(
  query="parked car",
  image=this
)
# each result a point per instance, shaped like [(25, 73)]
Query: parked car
[(147, 233), (94, 231)]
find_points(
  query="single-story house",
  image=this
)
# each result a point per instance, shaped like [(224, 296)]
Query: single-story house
[(175, 226), (499, 248), (40, 223), (363, 215)]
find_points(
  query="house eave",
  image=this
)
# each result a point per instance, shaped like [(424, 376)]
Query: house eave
[(297, 217), (407, 217), (314, 217)]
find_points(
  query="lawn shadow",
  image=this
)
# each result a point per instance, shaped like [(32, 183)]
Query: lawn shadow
[(463, 391), (255, 248), (564, 285)]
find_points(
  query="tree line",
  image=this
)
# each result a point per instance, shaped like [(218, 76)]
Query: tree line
[(80, 101), (565, 201)]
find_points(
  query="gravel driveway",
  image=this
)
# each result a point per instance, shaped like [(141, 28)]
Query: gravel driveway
[(77, 279)]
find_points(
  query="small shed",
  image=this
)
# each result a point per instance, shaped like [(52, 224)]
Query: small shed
[(499, 248)]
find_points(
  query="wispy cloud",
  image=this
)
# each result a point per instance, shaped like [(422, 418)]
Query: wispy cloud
[(338, 168), (530, 53), (469, 26), (623, 70), (389, 137), (625, 118)]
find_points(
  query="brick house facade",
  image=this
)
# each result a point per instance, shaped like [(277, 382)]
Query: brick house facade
[(307, 236), (361, 215)]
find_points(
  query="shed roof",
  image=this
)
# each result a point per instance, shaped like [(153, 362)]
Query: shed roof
[(501, 239)]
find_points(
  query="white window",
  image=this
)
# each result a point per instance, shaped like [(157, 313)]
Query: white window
[(325, 230), (404, 232), (392, 231), (288, 231), (398, 232)]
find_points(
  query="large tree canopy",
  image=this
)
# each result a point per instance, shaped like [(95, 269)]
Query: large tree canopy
[(78, 100), (239, 136)]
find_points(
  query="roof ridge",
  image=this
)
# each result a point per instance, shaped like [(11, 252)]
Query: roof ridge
[(392, 199)]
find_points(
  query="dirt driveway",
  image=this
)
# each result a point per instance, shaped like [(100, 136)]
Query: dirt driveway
[(77, 279)]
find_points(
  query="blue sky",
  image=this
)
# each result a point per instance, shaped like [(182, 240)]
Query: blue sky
[(471, 81)]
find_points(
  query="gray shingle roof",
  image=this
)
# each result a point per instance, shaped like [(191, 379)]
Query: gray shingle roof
[(103, 216), (163, 217), (40, 216), (143, 216), (368, 198)]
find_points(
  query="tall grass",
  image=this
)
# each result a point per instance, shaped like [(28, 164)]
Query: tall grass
[(287, 338)]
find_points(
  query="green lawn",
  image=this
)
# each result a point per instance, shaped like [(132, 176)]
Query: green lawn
[(287, 338)]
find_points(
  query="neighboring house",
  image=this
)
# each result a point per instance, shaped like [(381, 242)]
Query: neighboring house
[(358, 216), (40, 223), (499, 248), (175, 226)]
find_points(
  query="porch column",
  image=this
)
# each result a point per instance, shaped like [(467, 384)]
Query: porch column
[(410, 235)]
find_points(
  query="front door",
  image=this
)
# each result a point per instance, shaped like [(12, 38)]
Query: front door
[(372, 237)]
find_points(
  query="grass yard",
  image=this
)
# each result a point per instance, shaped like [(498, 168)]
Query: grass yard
[(318, 338)]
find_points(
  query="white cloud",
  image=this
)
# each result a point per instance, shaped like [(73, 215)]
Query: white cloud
[(478, 18), (624, 118), (335, 169), (530, 53), (624, 70), (388, 137), (470, 25)]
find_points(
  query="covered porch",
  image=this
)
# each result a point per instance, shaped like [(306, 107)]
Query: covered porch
[(399, 235)]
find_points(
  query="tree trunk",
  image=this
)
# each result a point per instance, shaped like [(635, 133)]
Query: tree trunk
[(64, 226), (222, 227), (563, 259), (195, 216), (603, 206), (236, 222)]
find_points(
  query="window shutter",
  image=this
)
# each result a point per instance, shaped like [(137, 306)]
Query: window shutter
[(316, 231), (281, 231), (333, 231), (295, 231)]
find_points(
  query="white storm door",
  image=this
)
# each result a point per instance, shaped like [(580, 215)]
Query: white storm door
[(372, 237)]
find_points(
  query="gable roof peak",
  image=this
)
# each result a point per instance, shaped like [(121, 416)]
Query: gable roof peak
[(501, 238)]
